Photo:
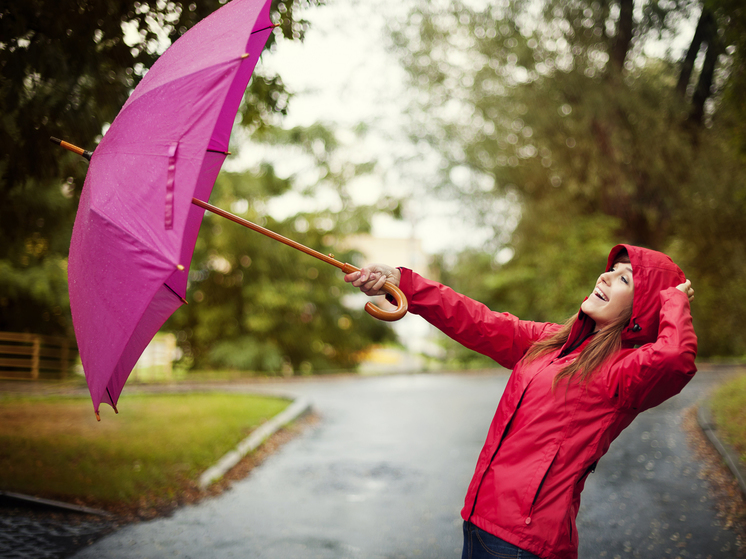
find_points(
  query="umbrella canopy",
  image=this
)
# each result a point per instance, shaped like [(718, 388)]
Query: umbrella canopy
[(136, 226)]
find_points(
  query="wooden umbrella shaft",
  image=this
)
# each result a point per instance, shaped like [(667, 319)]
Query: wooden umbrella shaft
[(371, 309), (329, 259)]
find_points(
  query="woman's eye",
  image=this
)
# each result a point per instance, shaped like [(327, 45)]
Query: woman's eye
[(625, 280)]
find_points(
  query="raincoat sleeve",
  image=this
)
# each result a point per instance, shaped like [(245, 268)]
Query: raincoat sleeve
[(649, 375), (500, 336)]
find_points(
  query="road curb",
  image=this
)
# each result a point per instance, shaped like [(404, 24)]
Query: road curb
[(30, 499), (298, 408), (728, 453)]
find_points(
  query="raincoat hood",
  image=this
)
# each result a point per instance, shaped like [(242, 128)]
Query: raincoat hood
[(653, 272)]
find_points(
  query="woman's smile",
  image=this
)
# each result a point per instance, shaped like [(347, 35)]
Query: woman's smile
[(600, 294), (612, 295)]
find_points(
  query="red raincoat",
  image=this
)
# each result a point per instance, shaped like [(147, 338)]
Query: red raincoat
[(542, 444)]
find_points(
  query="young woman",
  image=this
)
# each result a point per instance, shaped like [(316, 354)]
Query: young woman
[(573, 389)]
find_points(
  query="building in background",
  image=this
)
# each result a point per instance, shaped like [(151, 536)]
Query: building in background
[(156, 362)]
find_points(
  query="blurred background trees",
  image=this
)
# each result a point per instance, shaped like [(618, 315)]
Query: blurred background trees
[(565, 126), (595, 128)]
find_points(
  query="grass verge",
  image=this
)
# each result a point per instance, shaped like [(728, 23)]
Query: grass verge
[(728, 405), (146, 456)]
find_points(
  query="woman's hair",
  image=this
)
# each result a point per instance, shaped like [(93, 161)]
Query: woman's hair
[(604, 344)]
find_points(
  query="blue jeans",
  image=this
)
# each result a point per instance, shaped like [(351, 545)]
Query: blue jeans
[(479, 544)]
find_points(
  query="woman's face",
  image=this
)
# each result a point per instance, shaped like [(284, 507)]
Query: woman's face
[(612, 295)]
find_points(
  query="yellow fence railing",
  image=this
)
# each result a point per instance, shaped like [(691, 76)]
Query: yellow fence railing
[(33, 357)]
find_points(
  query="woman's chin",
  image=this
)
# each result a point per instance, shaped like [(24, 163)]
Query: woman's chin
[(589, 307)]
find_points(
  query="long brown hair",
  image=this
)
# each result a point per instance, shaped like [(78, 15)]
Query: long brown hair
[(604, 344)]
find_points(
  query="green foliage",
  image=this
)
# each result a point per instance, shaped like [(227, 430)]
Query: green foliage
[(731, 15), (728, 404), (39, 290), (246, 353), (710, 242), (559, 113), (66, 68)]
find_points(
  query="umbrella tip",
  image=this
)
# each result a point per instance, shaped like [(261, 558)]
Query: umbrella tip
[(245, 55), (98, 417), (75, 149), (180, 267), (116, 411)]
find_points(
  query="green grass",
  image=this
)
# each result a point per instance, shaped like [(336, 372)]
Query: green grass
[(728, 406), (151, 451)]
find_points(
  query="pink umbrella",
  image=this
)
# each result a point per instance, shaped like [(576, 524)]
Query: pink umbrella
[(136, 224)]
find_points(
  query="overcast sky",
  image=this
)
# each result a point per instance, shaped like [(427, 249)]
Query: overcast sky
[(343, 74)]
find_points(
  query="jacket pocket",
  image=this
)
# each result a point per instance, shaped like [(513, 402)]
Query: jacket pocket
[(538, 481)]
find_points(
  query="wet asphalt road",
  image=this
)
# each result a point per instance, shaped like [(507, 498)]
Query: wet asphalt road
[(383, 475)]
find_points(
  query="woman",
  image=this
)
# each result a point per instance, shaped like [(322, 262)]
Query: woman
[(573, 389)]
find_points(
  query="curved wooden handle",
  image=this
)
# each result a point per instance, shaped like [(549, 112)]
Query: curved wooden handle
[(401, 300), (389, 316)]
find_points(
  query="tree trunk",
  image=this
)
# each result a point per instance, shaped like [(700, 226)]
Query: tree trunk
[(705, 21), (624, 34), (704, 85)]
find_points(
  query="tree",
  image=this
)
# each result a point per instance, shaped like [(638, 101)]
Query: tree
[(712, 227), (593, 135), (66, 67)]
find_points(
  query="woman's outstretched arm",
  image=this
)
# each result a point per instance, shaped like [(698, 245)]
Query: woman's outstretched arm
[(501, 336)]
